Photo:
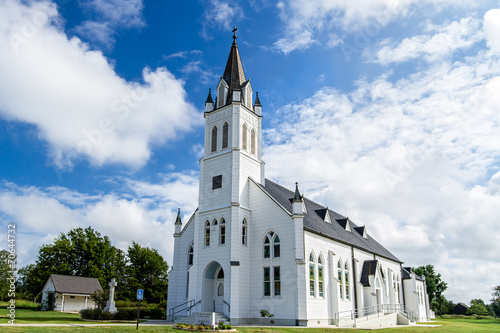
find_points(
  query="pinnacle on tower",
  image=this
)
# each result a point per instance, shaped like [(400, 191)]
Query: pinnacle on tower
[(297, 197), (178, 220)]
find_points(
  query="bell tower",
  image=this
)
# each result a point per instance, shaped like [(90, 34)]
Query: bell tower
[(232, 150), (232, 155)]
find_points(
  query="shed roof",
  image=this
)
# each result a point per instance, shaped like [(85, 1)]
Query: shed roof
[(75, 284)]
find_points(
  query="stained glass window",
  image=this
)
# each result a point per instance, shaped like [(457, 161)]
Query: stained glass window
[(276, 246), (339, 276), (346, 274), (267, 281), (320, 276), (267, 247), (277, 281), (311, 275), (207, 233)]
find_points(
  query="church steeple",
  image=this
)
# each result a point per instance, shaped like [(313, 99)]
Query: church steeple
[(233, 85), (234, 75)]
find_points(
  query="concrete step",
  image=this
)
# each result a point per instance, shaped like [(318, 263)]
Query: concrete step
[(202, 317)]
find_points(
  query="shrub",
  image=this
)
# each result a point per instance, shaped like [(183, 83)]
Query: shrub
[(91, 313), (106, 315)]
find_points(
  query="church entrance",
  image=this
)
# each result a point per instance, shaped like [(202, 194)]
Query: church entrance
[(213, 288)]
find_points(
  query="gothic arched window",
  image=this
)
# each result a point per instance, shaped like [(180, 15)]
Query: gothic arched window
[(244, 137), (214, 139), (346, 281), (244, 232), (225, 135), (190, 255), (267, 247), (272, 270), (320, 276), (222, 232), (276, 246), (252, 141), (207, 233), (339, 276), (312, 275)]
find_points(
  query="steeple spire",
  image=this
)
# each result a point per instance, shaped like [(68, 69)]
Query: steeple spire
[(234, 75), (297, 197), (178, 220)]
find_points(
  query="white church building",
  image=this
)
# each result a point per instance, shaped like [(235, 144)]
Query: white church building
[(253, 244)]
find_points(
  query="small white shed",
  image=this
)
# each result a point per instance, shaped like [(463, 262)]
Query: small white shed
[(72, 292)]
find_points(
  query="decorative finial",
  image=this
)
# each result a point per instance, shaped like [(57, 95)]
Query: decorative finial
[(178, 219), (234, 35)]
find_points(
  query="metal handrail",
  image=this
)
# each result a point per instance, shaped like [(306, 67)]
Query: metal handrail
[(186, 306), (228, 306), (375, 309)]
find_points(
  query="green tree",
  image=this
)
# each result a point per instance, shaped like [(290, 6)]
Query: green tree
[(477, 307), (435, 286), (495, 301), (147, 270), (5, 268), (82, 252)]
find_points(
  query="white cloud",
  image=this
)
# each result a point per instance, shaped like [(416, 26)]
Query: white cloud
[(416, 160), (303, 19), (220, 14), (443, 41), (491, 28), (73, 96), (204, 76), (110, 16), (142, 212)]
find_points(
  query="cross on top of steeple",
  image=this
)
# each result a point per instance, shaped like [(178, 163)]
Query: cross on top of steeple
[(234, 34)]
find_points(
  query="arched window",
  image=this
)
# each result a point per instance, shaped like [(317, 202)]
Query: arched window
[(346, 281), (214, 222), (244, 232), (320, 276), (272, 270), (252, 141), (190, 255), (220, 275), (207, 233), (267, 247), (311, 275), (339, 276), (276, 246), (225, 135), (244, 137), (220, 289), (222, 232), (214, 139)]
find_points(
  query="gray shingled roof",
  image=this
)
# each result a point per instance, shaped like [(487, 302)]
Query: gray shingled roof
[(75, 284), (314, 222)]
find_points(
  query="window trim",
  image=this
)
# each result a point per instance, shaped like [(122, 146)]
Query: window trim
[(222, 231), (225, 135)]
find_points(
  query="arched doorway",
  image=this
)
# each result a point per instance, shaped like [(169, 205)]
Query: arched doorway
[(213, 288)]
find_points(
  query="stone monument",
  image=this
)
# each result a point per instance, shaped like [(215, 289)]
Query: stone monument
[(110, 306)]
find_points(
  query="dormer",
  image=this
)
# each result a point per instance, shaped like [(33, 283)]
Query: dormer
[(222, 91), (361, 231), (247, 92), (345, 223), (324, 214)]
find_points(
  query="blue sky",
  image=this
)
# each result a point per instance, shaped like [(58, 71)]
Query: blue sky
[(386, 111)]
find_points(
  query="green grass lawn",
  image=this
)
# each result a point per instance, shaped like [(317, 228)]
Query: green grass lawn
[(30, 316)]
